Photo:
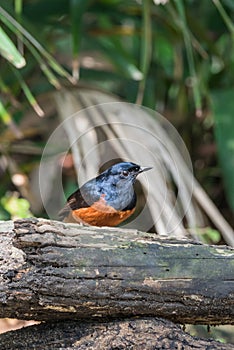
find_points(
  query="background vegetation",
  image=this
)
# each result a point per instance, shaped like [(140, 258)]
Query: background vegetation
[(174, 56)]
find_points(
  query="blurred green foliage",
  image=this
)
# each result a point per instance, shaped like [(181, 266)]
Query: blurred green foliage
[(15, 207), (223, 109), (176, 58), (209, 236)]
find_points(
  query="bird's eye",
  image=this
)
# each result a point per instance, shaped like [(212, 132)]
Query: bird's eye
[(125, 173)]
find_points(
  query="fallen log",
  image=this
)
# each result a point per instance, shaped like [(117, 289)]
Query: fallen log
[(131, 334), (55, 271)]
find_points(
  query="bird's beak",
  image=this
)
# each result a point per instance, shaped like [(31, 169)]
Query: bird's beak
[(144, 168)]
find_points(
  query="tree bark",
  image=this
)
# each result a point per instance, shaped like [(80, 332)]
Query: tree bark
[(51, 270), (130, 334)]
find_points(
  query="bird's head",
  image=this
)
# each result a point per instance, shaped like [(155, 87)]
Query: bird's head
[(124, 172)]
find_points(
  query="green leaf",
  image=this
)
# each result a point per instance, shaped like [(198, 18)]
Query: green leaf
[(224, 15), (213, 235), (189, 51), (9, 51), (146, 48), (17, 207), (31, 99), (208, 235), (77, 10), (120, 58), (4, 115), (30, 40), (6, 118), (223, 110)]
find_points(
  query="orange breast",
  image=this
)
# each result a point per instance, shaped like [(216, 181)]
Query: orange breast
[(99, 214)]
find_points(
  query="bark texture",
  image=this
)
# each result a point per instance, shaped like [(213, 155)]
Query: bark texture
[(54, 271), (130, 334)]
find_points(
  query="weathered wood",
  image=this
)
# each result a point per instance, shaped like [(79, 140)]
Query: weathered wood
[(51, 270), (130, 334)]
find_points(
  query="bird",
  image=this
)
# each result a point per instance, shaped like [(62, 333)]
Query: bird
[(106, 200)]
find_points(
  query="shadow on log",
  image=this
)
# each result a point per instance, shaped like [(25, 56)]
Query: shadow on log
[(53, 271)]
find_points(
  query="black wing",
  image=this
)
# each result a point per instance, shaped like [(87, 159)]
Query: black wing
[(82, 198)]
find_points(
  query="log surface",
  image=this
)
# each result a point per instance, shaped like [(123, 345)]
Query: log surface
[(130, 334), (51, 270)]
